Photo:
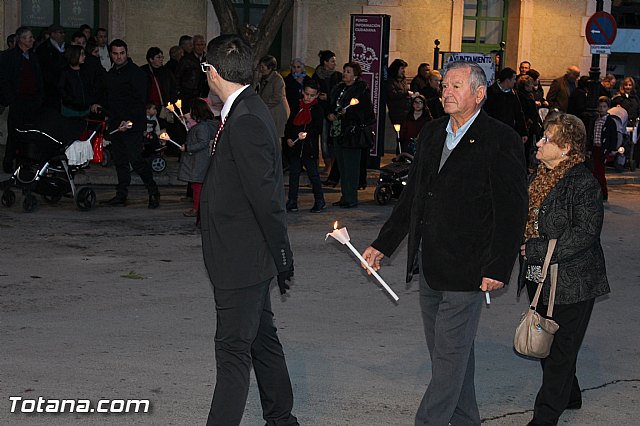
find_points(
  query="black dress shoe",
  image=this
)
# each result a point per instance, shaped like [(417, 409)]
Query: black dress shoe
[(338, 203), (349, 205), (115, 201), (318, 206), (574, 405), (154, 200)]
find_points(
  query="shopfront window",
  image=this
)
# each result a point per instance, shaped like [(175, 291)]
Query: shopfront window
[(484, 25), (39, 14)]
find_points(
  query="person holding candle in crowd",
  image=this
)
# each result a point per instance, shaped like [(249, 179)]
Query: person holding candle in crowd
[(244, 241), (301, 133), (125, 98), (351, 110), (196, 150), (464, 210)]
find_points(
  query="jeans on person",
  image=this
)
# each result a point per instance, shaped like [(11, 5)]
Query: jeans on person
[(295, 168)]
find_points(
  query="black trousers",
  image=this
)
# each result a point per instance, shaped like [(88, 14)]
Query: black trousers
[(246, 337), (21, 115), (560, 387), (127, 149)]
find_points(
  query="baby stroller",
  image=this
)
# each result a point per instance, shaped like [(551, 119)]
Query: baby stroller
[(393, 176), (153, 148), (47, 167), (622, 156)]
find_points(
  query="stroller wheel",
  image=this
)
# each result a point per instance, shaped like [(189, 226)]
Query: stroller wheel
[(158, 164), (29, 203), (8, 198), (382, 194), (51, 199), (86, 199)]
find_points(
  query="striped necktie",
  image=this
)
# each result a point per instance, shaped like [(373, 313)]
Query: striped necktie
[(215, 141)]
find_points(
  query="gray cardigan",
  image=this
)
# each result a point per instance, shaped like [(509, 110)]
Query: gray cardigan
[(572, 213), (195, 160)]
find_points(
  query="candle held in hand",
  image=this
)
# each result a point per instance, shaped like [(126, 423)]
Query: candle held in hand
[(342, 236)]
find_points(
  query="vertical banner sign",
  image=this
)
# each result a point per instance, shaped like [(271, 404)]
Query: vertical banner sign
[(370, 49)]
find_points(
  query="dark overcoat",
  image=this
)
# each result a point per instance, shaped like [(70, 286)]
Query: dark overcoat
[(244, 228), (470, 216)]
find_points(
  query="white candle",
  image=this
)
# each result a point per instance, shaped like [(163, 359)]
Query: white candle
[(487, 297), (173, 110), (165, 137), (301, 136), (343, 237)]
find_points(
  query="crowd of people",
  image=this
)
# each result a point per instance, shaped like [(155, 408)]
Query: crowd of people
[(474, 146)]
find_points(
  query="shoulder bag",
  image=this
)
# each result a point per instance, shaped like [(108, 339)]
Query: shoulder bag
[(534, 334)]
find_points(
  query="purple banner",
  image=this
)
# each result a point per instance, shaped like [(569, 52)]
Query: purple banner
[(368, 50)]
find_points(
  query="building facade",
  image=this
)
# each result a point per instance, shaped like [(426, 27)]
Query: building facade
[(547, 33)]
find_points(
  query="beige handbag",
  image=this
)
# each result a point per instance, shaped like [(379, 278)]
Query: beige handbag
[(534, 334)]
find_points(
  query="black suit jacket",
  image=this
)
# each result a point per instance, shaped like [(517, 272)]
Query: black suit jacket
[(244, 228), (470, 216)]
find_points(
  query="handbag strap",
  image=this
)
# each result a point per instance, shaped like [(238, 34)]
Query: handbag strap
[(552, 295), (545, 267)]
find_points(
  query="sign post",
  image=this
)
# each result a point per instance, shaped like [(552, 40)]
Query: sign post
[(601, 31)]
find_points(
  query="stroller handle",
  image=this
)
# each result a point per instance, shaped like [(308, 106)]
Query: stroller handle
[(42, 133)]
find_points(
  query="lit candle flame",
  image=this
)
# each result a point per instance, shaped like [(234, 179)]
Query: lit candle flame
[(178, 104), (170, 107), (335, 225), (164, 136), (397, 127), (354, 101), (128, 124)]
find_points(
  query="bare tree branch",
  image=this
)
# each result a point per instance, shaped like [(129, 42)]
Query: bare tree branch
[(260, 38), (227, 16), (270, 24)]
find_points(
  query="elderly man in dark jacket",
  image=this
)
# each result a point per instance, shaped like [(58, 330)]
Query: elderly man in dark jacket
[(464, 207), (191, 80), (561, 88), (21, 89), (125, 100)]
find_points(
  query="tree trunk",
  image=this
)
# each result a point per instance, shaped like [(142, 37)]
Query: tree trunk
[(259, 38)]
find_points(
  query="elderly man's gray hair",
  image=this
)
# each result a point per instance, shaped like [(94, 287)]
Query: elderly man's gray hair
[(476, 79)]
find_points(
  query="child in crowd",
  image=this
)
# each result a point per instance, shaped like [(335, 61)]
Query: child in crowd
[(152, 134), (301, 132), (153, 125), (196, 150)]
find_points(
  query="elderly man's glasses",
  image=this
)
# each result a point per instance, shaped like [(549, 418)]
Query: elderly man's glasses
[(205, 67)]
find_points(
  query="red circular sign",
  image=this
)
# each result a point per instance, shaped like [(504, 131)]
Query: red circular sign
[(601, 28)]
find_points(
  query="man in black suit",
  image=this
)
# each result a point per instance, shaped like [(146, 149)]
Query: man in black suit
[(244, 241), (464, 207)]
